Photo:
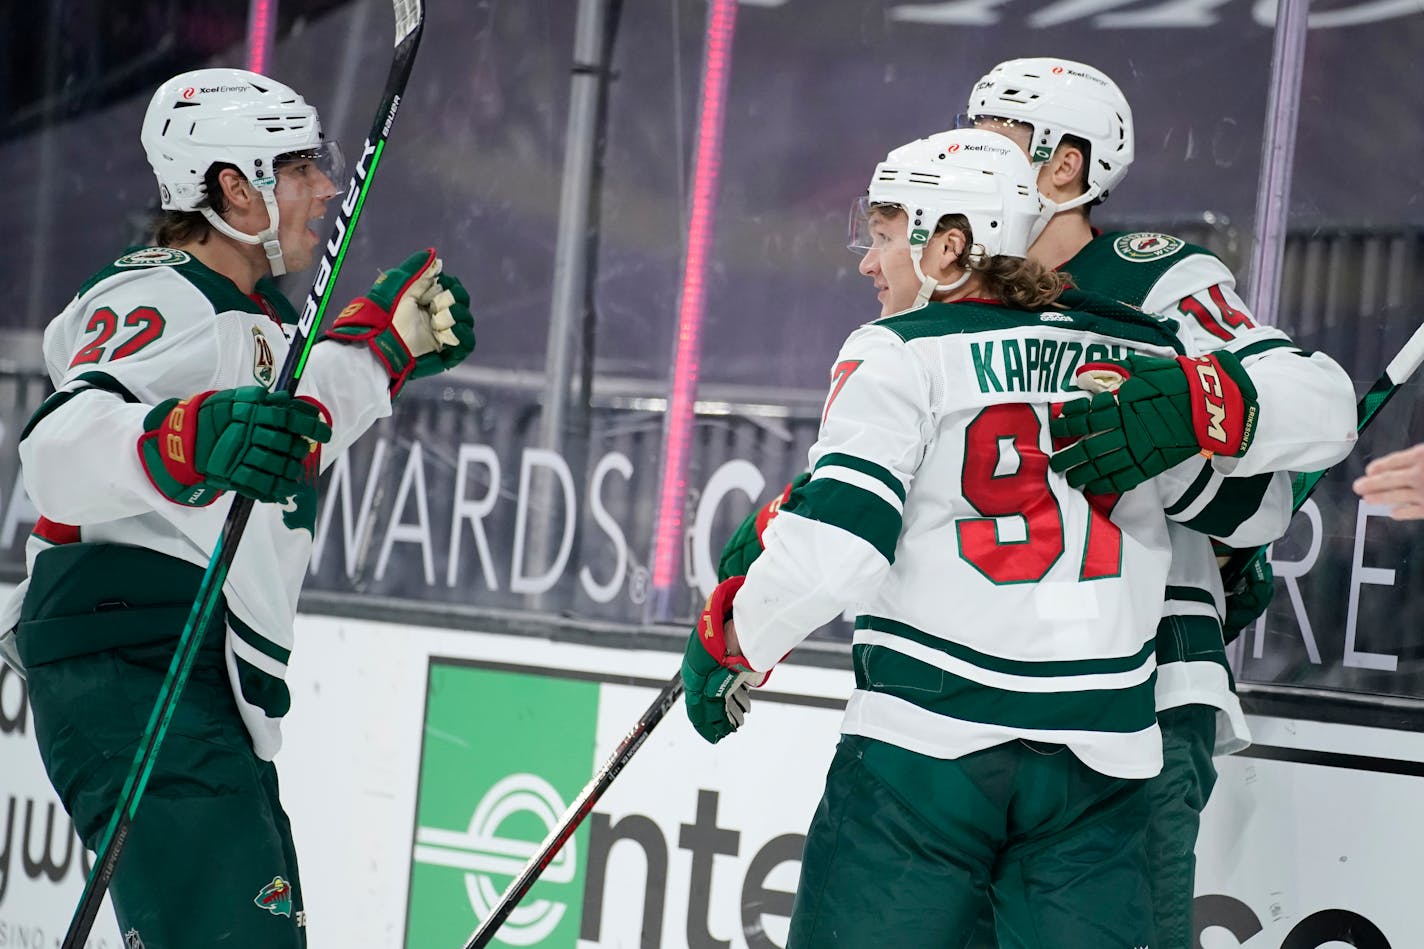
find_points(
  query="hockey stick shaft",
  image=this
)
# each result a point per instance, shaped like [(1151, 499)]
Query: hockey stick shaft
[(409, 22), (1405, 363), (575, 814)]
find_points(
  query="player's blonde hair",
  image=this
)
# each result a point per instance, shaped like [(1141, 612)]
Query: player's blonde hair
[(1021, 283)]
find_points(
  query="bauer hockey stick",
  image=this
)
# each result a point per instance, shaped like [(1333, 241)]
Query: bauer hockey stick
[(1396, 374), (409, 21), (576, 812)]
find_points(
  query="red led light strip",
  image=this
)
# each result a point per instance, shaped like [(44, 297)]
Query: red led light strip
[(260, 14), (716, 68)]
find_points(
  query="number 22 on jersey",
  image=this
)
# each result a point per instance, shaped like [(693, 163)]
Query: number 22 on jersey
[(1013, 430), (147, 322)]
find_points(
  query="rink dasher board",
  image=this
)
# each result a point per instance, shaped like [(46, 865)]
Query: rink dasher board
[(401, 736)]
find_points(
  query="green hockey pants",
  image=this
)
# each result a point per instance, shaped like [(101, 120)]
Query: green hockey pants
[(903, 848)]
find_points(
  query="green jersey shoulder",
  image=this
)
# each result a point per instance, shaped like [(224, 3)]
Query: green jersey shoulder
[(220, 292), (1128, 266), (1088, 315)]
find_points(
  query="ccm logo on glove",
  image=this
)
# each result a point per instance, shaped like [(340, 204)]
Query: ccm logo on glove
[(1219, 399)]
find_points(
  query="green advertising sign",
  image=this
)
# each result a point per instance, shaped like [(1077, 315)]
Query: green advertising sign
[(502, 756)]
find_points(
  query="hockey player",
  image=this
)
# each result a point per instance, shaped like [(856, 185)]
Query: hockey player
[(1076, 127), (162, 366), (1003, 718), (1397, 480)]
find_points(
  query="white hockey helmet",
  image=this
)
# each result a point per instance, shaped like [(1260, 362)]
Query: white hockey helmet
[(973, 172), (1057, 97), (215, 115)]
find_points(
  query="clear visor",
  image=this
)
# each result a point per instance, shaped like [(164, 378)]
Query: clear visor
[(860, 237), (310, 172), (858, 228)]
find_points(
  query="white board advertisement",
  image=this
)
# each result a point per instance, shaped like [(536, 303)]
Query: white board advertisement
[(422, 767)]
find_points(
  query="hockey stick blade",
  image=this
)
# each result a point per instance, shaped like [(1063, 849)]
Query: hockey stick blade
[(1405, 363), (409, 23), (575, 814)]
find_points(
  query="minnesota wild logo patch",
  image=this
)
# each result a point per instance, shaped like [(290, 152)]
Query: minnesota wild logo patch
[(153, 257), (276, 897), (1147, 245)]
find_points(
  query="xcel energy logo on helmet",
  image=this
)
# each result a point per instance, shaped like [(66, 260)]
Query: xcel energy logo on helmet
[(1077, 74), (189, 92)]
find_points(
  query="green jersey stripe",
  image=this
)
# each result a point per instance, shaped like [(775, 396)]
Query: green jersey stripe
[(1017, 667), (92, 380), (1265, 345), (1235, 503), (1189, 639), (262, 689), (852, 509), (936, 690), (257, 641), (1194, 594), (1193, 491), (878, 472)]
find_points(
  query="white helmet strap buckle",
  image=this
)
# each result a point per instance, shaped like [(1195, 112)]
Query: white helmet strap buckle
[(1051, 208), (929, 286), (271, 245)]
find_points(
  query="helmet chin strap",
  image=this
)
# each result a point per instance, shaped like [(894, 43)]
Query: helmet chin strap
[(271, 246), (928, 285), (1051, 209)]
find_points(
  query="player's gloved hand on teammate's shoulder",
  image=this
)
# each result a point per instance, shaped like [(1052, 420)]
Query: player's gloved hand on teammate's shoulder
[(416, 319), (716, 684), (247, 440), (1248, 599), (745, 544), (1148, 414)]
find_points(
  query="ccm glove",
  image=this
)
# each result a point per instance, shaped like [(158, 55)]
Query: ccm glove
[(415, 319), (1246, 601), (716, 685), (1149, 414), (246, 440), (745, 544)]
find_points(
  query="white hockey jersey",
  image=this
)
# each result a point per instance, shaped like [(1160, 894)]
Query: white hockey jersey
[(994, 602), (156, 325), (1306, 423)]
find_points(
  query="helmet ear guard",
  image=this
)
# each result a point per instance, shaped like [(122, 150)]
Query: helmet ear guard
[(206, 116)]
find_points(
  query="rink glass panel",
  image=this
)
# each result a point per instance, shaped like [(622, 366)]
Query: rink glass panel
[(819, 91), (1351, 287)]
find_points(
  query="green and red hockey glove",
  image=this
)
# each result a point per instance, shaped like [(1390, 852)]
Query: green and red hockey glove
[(715, 684), (415, 319), (1148, 414), (745, 545), (246, 440), (1246, 601)]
